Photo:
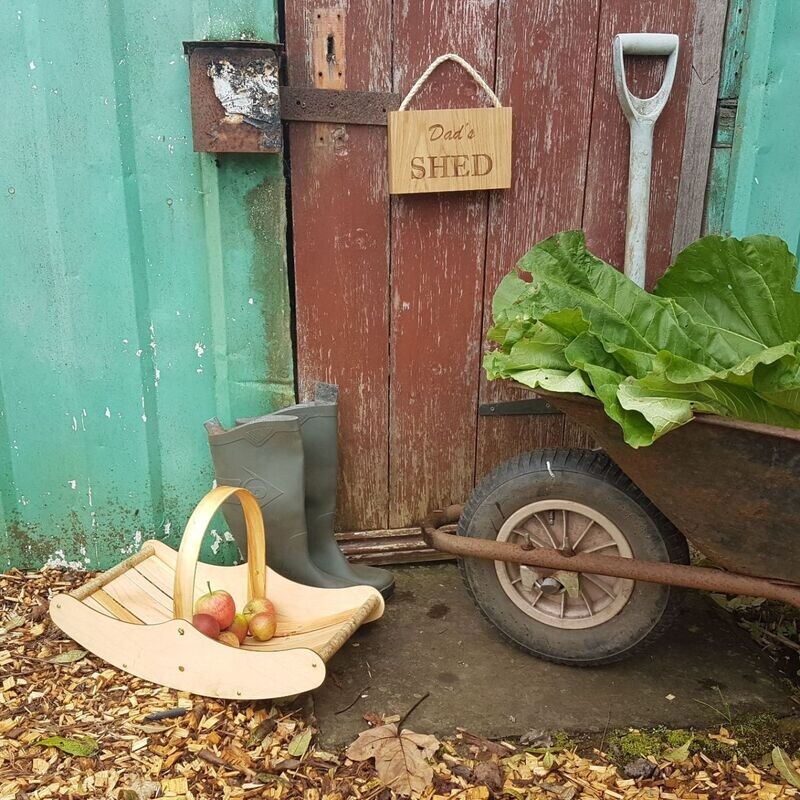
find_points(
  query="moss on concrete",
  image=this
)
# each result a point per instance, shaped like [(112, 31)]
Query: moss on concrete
[(564, 741), (755, 735)]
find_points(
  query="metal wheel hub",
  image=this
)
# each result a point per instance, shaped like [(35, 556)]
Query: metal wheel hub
[(564, 599)]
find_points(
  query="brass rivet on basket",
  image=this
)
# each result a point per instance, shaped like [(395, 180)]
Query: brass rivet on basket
[(238, 694), (180, 631), (124, 666), (180, 668)]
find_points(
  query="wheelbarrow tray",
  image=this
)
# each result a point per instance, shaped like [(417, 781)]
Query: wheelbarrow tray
[(731, 487), (125, 616)]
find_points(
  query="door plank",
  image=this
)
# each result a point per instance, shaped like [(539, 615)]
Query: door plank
[(545, 71), (341, 247), (701, 106), (607, 188), (438, 253)]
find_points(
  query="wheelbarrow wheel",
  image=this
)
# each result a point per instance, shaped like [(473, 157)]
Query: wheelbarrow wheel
[(581, 500)]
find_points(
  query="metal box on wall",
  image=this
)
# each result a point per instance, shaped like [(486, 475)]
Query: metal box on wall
[(234, 87)]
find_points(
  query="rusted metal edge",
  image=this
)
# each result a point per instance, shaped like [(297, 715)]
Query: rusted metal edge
[(704, 419), (550, 559), (278, 47), (307, 104)]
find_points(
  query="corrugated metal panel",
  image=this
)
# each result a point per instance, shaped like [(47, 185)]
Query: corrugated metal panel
[(143, 285), (764, 190)]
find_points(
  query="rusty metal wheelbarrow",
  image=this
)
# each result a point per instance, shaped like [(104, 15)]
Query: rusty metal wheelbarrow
[(575, 555)]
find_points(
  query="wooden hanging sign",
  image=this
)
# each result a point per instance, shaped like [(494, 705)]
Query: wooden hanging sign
[(449, 149)]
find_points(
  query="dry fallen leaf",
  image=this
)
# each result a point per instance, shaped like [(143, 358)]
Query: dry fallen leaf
[(11, 623), (69, 657), (299, 745), (82, 746), (399, 757), (679, 754), (489, 774), (784, 765)]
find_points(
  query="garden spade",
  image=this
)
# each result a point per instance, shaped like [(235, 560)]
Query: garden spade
[(642, 114)]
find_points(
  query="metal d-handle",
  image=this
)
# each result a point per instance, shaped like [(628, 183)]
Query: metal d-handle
[(641, 113)]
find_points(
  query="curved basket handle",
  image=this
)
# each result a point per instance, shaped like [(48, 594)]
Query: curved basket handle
[(186, 565)]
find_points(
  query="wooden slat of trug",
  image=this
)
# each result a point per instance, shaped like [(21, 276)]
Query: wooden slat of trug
[(607, 175), (148, 588), (341, 250), (438, 252), (130, 595), (709, 29), (113, 608), (94, 604), (162, 576), (546, 53)]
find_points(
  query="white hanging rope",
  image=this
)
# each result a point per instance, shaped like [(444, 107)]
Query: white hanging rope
[(473, 73)]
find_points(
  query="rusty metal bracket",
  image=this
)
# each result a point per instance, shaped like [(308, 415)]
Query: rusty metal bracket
[(516, 408), (307, 104), (234, 94)]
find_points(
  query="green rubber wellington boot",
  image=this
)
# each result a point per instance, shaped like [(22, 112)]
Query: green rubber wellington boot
[(265, 456), (319, 430)]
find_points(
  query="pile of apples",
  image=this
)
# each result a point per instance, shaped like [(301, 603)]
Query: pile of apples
[(215, 616)]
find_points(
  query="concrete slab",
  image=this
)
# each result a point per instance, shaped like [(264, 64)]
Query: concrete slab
[(433, 639)]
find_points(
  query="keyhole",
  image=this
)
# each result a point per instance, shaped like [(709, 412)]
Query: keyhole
[(330, 49)]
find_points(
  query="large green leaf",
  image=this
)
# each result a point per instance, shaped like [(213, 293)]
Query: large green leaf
[(719, 334)]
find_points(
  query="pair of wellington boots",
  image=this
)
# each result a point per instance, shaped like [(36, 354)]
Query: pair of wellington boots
[(288, 460)]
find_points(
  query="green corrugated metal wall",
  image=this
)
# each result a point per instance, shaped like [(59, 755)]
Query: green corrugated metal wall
[(144, 286), (755, 176), (764, 190)]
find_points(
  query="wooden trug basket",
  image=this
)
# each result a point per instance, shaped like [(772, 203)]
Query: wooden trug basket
[(137, 615)]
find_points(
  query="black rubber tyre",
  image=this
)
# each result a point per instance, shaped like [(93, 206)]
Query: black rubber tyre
[(593, 480)]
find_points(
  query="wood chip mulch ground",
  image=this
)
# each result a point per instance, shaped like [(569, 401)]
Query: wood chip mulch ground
[(73, 727)]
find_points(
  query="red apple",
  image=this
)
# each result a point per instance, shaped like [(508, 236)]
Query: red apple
[(238, 627), (218, 604), (206, 624), (262, 626), (229, 638), (258, 606)]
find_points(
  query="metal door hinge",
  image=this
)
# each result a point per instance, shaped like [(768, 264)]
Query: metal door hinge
[(307, 104), (517, 407)]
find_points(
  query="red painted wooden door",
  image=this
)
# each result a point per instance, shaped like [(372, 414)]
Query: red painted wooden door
[(393, 294)]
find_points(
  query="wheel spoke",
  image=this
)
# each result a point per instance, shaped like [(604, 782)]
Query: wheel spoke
[(547, 531), (583, 533), (563, 604), (601, 586), (586, 603), (599, 547)]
